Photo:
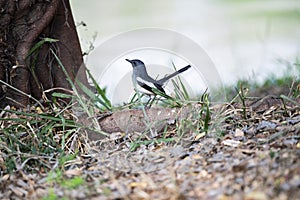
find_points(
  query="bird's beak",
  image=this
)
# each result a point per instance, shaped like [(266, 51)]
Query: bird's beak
[(128, 60)]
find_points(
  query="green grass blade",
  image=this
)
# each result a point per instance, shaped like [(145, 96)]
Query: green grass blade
[(93, 96), (100, 91), (39, 44), (61, 95)]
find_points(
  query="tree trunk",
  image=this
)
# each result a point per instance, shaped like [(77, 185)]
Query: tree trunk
[(24, 23)]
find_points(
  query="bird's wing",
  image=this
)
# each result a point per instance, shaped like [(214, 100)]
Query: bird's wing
[(159, 87), (147, 85)]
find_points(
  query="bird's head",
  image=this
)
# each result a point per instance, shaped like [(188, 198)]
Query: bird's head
[(135, 62)]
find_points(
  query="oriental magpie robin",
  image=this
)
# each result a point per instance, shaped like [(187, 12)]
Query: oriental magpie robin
[(146, 83)]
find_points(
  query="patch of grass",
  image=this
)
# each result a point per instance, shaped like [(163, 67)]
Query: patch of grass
[(288, 84), (30, 138), (199, 116), (69, 183), (158, 98), (73, 182), (57, 177), (99, 99), (85, 101), (51, 195), (33, 135)]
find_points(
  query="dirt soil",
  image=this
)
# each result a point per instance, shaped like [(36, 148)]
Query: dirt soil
[(250, 155)]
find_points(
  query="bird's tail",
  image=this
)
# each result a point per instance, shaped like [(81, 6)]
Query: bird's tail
[(173, 74)]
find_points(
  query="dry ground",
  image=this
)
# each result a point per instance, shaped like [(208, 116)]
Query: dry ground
[(251, 155)]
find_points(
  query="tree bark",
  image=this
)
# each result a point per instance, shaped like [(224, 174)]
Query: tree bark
[(23, 24)]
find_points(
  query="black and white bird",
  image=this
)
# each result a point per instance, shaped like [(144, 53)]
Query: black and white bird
[(144, 83)]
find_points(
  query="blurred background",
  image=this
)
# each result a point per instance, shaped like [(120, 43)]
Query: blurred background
[(246, 39)]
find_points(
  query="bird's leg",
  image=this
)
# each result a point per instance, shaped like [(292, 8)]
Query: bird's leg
[(146, 105), (150, 101), (153, 99)]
